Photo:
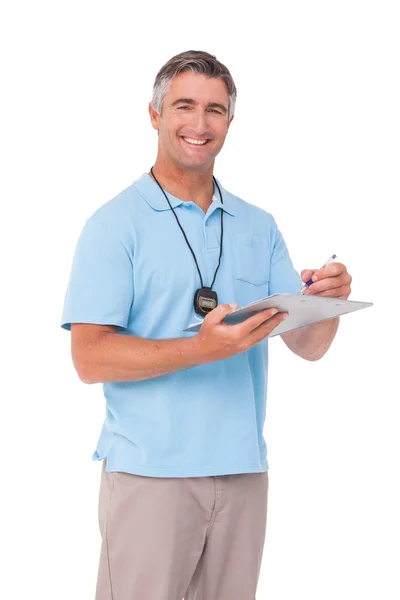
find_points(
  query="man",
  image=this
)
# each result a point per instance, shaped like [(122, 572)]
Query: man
[(183, 493)]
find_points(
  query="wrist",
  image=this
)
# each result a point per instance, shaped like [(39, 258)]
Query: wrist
[(197, 350)]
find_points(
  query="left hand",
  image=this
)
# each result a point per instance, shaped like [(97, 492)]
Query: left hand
[(333, 281)]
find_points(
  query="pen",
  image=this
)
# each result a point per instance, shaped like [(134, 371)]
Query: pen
[(310, 281)]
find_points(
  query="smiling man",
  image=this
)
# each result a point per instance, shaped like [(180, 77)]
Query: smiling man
[(184, 482), (192, 123)]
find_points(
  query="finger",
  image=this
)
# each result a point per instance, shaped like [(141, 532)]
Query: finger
[(325, 284), (219, 313), (319, 286), (332, 270), (340, 292), (262, 331), (251, 323), (306, 274)]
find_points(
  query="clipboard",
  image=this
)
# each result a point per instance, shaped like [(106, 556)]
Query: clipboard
[(302, 309)]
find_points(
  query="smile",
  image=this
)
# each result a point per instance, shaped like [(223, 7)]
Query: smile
[(194, 142)]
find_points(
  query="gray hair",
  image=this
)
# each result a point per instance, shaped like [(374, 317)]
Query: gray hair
[(195, 61)]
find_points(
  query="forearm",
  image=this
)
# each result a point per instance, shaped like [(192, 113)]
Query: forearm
[(117, 357), (313, 341)]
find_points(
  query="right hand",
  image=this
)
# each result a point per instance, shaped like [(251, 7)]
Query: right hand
[(218, 340)]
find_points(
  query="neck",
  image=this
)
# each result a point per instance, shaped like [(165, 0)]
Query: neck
[(195, 186)]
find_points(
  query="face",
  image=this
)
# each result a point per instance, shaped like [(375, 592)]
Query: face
[(194, 121)]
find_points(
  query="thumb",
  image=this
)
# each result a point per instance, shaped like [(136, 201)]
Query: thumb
[(219, 313), (306, 274)]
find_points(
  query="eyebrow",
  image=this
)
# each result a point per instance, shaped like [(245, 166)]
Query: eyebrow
[(193, 102)]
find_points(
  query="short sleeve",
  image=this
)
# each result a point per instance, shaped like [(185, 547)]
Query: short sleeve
[(100, 287), (284, 279)]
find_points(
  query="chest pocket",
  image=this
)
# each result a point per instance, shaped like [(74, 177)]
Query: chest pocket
[(252, 258)]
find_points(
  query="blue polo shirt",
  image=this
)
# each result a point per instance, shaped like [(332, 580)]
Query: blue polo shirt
[(132, 268)]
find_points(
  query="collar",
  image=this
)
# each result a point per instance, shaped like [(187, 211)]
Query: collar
[(149, 190)]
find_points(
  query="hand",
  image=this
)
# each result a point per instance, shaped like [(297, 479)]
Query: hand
[(218, 340), (333, 281)]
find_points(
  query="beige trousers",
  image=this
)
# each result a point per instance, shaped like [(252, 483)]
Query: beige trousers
[(197, 538)]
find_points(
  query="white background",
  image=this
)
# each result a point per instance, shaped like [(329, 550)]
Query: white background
[(315, 141)]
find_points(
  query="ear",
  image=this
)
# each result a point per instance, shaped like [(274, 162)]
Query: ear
[(154, 116), (230, 121)]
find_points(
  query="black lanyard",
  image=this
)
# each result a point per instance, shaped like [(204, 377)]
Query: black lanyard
[(205, 299)]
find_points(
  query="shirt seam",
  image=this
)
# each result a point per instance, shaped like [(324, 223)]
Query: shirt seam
[(111, 230)]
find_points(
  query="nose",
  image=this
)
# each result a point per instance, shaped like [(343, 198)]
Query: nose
[(199, 122)]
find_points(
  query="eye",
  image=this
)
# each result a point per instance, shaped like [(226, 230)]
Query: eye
[(183, 107), (215, 111)]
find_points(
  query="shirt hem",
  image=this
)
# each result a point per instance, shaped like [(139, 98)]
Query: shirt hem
[(187, 472), (66, 323)]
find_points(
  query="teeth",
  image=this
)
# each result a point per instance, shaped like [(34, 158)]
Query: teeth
[(192, 141)]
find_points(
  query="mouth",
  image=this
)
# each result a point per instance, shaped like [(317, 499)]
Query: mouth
[(195, 143)]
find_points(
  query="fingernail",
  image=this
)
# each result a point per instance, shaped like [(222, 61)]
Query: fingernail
[(314, 278), (274, 311)]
